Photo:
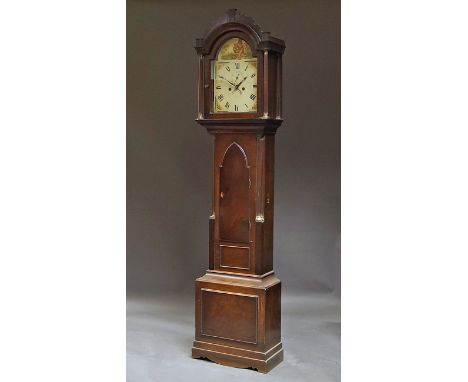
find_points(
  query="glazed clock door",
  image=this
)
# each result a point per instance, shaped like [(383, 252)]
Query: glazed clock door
[(234, 210), (235, 78)]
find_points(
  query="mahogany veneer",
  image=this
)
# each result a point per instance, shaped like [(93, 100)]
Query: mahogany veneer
[(238, 300)]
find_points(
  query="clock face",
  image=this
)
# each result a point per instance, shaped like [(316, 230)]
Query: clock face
[(235, 78)]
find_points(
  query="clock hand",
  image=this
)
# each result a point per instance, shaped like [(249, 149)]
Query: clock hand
[(237, 86), (227, 80)]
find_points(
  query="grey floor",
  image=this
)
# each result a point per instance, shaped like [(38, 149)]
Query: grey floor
[(160, 333)]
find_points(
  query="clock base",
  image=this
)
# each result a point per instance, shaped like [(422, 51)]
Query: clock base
[(241, 358), (238, 320)]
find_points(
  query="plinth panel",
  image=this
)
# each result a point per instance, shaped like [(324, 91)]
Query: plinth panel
[(232, 316)]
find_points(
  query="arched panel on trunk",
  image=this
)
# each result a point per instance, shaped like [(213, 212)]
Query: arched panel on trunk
[(234, 182)]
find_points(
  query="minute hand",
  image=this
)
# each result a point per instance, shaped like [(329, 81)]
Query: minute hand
[(237, 86), (227, 80)]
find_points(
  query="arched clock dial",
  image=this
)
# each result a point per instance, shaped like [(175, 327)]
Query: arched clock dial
[(235, 78)]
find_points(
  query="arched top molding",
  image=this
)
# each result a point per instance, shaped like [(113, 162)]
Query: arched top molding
[(234, 21), (233, 146)]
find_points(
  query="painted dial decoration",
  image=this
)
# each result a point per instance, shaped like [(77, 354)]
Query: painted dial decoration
[(235, 78)]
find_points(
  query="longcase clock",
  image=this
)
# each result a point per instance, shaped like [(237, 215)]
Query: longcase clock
[(238, 300)]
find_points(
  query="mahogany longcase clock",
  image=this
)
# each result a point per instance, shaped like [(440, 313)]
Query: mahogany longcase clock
[(238, 300)]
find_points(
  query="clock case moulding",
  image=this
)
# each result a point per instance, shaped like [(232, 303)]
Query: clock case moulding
[(238, 300), (268, 51)]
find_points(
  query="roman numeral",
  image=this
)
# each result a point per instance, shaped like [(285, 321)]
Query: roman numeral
[(246, 105), (252, 97), (237, 65), (228, 68), (218, 87), (236, 108), (220, 97), (227, 105), (246, 66), (252, 76), (255, 86)]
